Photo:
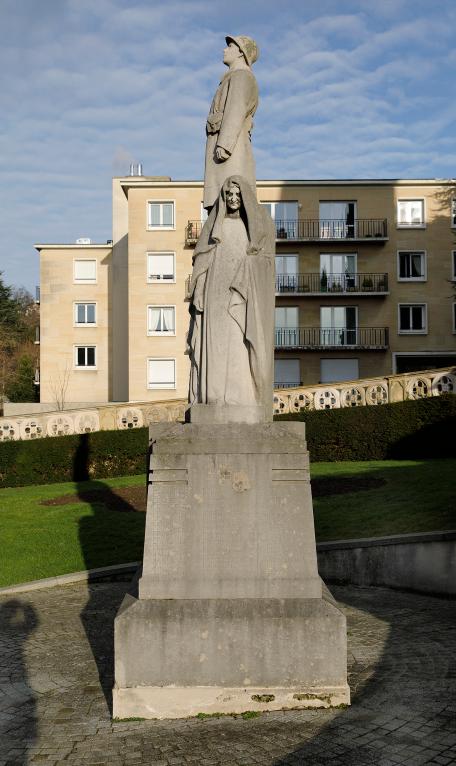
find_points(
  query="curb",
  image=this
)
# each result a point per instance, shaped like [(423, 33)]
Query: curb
[(91, 575), (88, 575)]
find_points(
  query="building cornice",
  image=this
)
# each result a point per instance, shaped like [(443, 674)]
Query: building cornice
[(72, 246), (145, 183)]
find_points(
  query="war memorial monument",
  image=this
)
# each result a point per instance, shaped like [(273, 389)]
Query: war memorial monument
[(229, 612)]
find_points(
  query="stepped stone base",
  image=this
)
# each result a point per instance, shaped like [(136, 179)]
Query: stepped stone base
[(230, 613), (177, 658)]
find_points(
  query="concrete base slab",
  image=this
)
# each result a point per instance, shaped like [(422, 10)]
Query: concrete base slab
[(185, 702)]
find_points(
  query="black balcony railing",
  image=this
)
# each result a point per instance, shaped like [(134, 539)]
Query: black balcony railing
[(278, 384), (315, 230), (331, 283), (193, 230), (327, 229), (331, 337)]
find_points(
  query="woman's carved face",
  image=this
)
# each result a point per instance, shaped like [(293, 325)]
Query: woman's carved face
[(233, 198)]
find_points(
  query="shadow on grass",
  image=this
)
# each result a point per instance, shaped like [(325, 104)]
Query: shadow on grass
[(118, 529), (18, 720)]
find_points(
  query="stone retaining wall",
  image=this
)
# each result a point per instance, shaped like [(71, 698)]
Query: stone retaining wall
[(422, 562)]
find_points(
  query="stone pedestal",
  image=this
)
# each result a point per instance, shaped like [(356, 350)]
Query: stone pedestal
[(230, 613)]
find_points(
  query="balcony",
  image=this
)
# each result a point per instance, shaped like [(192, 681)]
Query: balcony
[(192, 232), (335, 284), (278, 384), (366, 230), (335, 338)]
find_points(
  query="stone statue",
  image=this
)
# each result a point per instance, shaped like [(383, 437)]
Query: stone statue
[(230, 120), (231, 335)]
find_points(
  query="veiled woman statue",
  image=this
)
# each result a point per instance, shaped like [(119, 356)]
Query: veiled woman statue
[(231, 335)]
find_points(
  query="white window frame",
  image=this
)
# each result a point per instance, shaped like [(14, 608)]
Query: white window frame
[(160, 333), (424, 331), (423, 254), (75, 314), (421, 225), (160, 280), (282, 202), (85, 367), (160, 227), (85, 281), (161, 386)]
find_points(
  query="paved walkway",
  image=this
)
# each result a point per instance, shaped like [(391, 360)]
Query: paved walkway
[(55, 644)]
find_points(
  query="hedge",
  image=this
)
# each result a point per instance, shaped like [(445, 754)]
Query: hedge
[(406, 430), (73, 458), (425, 428)]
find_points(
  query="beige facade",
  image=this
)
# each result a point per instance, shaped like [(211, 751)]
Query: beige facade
[(364, 289)]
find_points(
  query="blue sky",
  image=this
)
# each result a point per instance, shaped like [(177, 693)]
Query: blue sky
[(352, 89)]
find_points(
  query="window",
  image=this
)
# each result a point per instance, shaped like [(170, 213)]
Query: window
[(286, 316), (285, 216), (161, 320), (85, 270), (453, 265), (161, 267), (338, 370), (287, 372), (85, 314), (338, 325), (454, 317), (412, 318), (286, 273), (411, 265), (337, 220), (453, 213), (410, 212), (85, 356), (337, 271), (286, 324), (160, 215), (161, 373)]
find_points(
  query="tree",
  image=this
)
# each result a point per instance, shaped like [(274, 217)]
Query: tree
[(19, 317), (20, 387)]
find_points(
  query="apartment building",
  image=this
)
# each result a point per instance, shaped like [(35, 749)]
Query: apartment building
[(364, 273)]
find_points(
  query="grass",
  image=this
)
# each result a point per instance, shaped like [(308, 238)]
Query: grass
[(418, 496), (42, 541)]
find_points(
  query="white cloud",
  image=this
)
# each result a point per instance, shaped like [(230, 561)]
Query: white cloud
[(87, 87)]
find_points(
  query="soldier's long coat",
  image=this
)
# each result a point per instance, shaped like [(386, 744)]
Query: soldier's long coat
[(229, 125)]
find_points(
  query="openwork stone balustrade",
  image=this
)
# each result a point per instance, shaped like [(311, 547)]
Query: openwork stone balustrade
[(370, 391), (111, 417)]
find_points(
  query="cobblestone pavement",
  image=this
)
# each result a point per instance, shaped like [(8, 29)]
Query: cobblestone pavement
[(55, 644)]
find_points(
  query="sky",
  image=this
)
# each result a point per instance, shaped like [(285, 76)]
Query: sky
[(348, 89)]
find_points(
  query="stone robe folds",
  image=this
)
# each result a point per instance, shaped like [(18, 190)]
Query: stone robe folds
[(229, 124), (231, 335)]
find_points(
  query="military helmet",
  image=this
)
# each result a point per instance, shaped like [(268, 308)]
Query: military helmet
[(247, 46)]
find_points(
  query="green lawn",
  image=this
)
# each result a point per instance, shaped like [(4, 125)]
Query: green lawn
[(41, 541), (418, 496)]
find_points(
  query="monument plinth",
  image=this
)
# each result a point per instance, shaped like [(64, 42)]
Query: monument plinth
[(230, 609), (229, 613)]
